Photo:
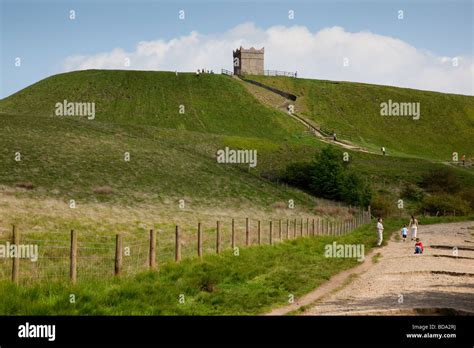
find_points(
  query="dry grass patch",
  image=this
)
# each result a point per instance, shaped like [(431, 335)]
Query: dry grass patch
[(103, 190)]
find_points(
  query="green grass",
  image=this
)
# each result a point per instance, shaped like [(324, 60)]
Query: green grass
[(173, 155), (67, 159), (259, 279), (212, 103), (353, 111)]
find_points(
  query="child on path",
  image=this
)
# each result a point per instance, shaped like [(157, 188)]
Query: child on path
[(404, 232), (419, 249), (379, 231)]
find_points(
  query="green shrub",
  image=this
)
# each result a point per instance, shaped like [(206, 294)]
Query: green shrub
[(328, 176), (441, 180), (441, 203), (383, 205), (413, 192), (468, 195), (298, 174)]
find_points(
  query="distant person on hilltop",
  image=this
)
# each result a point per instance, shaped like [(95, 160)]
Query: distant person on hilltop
[(463, 159), (413, 227), (383, 150), (334, 136)]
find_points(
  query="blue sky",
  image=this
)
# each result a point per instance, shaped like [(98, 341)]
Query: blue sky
[(43, 36)]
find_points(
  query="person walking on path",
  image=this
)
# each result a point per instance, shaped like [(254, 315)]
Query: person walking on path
[(379, 231), (413, 227)]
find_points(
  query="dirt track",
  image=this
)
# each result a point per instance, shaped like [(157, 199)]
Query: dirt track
[(436, 282)]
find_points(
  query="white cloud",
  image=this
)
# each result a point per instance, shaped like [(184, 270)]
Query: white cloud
[(372, 58)]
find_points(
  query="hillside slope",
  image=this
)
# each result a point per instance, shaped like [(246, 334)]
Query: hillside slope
[(209, 103), (352, 110), (172, 155)]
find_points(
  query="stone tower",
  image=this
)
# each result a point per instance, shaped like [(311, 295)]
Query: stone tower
[(248, 61)]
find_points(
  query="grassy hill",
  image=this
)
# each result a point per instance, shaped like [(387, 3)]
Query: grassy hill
[(353, 111), (211, 102), (173, 154)]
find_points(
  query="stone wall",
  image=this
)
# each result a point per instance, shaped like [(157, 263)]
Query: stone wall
[(248, 61)]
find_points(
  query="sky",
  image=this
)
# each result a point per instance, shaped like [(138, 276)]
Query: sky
[(429, 46)]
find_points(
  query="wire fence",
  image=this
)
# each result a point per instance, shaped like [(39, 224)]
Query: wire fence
[(27, 257)]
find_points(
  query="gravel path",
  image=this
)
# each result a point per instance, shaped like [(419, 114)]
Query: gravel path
[(436, 282)]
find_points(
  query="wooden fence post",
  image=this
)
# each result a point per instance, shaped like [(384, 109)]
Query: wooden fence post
[(327, 227), (294, 230), (152, 254), (369, 212), (177, 246), (218, 238), (16, 259), (247, 232), (301, 228), (312, 230), (199, 241), (233, 235), (271, 232), (73, 258), (307, 226), (287, 228), (258, 233), (118, 254), (279, 230)]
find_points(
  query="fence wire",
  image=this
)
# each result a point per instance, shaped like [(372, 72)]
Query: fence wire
[(96, 255)]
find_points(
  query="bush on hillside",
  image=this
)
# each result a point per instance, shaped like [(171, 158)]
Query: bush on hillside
[(441, 180), (438, 204), (329, 177), (298, 174), (383, 205), (412, 192), (468, 195)]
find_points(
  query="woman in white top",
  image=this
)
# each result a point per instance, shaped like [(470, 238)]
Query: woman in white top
[(413, 227), (379, 231)]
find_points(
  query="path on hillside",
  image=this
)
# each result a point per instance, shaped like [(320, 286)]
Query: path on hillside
[(401, 282), (282, 106)]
